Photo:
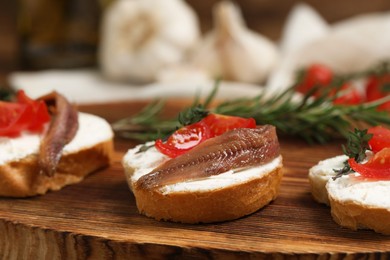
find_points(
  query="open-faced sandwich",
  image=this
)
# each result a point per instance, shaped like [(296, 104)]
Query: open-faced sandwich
[(46, 144), (220, 168), (357, 185)]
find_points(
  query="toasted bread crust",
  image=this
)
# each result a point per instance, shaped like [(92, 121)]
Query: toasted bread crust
[(354, 212), (222, 204), (355, 215), (23, 178)]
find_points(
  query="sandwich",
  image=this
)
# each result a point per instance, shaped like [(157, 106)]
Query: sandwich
[(356, 185), (45, 144), (217, 169)]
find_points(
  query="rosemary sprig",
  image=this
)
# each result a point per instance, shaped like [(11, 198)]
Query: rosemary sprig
[(315, 120), (147, 124), (357, 145)]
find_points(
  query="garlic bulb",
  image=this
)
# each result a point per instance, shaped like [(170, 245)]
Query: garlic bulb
[(140, 37), (304, 26), (232, 51)]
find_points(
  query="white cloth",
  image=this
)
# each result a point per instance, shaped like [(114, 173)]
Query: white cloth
[(87, 86)]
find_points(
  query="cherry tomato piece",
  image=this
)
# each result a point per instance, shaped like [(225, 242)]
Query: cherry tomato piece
[(220, 124), (378, 87), (350, 96), (25, 114), (184, 139), (380, 138), (23, 98), (14, 118), (316, 74), (41, 117), (40, 112), (378, 167)]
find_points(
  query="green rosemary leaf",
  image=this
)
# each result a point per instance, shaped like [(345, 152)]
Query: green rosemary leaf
[(149, 112), (212, 94), (192, 115), (146, 125)]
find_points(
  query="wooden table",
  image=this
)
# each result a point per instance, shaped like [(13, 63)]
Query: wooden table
[(98, 218)]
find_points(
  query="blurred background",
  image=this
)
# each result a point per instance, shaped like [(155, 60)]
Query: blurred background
[(40, 34)]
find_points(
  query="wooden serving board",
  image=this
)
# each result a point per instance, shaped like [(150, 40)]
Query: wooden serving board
[(98, 218)]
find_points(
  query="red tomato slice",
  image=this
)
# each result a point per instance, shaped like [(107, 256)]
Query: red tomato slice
[(316, 74), (220, 124), (41, 116), (23, 98), (378, 87), (26, 114), (9, 113), (376, 168), (14, 117), (380, 138), (184, 139), (40, 113)]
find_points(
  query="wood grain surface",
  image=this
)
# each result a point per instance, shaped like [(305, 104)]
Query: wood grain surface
[(98, 219)]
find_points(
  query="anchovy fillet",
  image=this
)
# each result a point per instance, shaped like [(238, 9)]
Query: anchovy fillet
[(239, 148)]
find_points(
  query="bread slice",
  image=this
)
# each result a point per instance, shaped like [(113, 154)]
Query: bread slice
[(360, 204), (90, 149), (221, 197), (355, 203), (320, 174)]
